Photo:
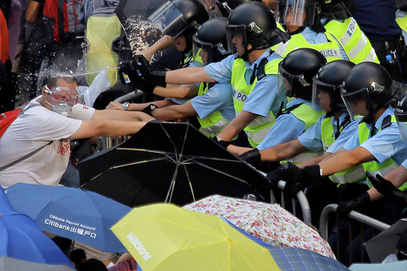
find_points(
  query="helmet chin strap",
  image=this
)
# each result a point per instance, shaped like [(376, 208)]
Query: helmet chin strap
[(246, 53)]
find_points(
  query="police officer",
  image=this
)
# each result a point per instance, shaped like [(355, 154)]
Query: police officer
[(253, 72), (367, 91), (392, 186), (301, 20), (297, 70), (336, 16)]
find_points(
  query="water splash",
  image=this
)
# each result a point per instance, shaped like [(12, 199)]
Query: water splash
[(141, 33)]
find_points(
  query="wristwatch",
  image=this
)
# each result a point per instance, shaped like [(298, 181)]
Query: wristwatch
[(126, 106)]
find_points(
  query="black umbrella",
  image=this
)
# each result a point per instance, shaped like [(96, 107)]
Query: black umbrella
[(170, 162)]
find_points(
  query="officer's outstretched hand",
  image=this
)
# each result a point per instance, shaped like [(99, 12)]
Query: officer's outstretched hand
[(386, 188), (357, 204), (252, 157)]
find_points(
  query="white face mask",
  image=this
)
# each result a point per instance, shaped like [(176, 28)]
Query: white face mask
[(63, 109)]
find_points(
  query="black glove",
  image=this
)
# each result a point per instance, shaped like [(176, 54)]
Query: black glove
[(293, 174), (129, 75), (357, 204), (222, 143), (252, 157), (149, 108), (146, 71), (386, 188)]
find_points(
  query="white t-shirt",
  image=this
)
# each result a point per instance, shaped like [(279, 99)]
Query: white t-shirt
[(35, 128)]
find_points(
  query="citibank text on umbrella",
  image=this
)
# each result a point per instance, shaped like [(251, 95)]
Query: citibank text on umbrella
[(139, 246)]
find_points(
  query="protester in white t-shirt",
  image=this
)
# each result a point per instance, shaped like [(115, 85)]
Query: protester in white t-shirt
[(59, 118)]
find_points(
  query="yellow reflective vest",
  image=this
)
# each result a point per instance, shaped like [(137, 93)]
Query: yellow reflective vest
[(330, 50), (355, 43), (257, 130)]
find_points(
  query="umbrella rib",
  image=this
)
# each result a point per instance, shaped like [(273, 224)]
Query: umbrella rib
[(172, 186), (190, 184)]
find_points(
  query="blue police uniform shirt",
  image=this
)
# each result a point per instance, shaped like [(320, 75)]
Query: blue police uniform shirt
[(264, 96), (286, 128), (218, 98), (376, 18), (312, 139), (404, 164), (385, 144)]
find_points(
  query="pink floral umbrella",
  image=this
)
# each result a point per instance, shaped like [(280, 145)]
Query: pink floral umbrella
[(268, 222)]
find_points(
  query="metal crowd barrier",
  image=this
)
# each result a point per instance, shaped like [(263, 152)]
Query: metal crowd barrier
[(302, 200), (364, 220)]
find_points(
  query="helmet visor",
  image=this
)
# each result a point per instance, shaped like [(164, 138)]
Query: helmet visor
[(64, 95), (291, 12), (356, 102), (202, 52), (169, 19), (236, 36)]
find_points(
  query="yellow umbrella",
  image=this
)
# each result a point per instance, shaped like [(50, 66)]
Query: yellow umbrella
[(167, 237)]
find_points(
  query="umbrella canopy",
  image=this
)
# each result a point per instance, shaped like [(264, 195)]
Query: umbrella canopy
[(10, 264), (73, 213), (166, 237), (21, 239), (384, 244), (170, 162), (268, 222)]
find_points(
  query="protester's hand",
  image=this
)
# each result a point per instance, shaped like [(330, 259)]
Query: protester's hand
[(252, 157), (357, 204), (115, 106), (386, 188)]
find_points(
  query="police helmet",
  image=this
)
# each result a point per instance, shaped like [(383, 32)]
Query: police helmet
[(180, 17), (211, 37), (226, 6), (337, 9), (255, 23), (298, 69), (329, 80), (401, 115), (300, 13), (370, 82)]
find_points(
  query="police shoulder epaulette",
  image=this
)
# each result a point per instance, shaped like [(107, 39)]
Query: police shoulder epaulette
[(386, 122)]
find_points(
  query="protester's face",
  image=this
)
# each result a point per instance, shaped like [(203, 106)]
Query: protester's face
[(63, 92), (324, 101), (180, 43)]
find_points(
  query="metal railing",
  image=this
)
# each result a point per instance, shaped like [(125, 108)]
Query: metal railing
[(364, 220)]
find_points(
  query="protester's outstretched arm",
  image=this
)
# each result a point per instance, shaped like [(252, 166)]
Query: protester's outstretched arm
[(139, 106), (174, 112), (109, 114), (236, 126), (159, 45), (105, 127)]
